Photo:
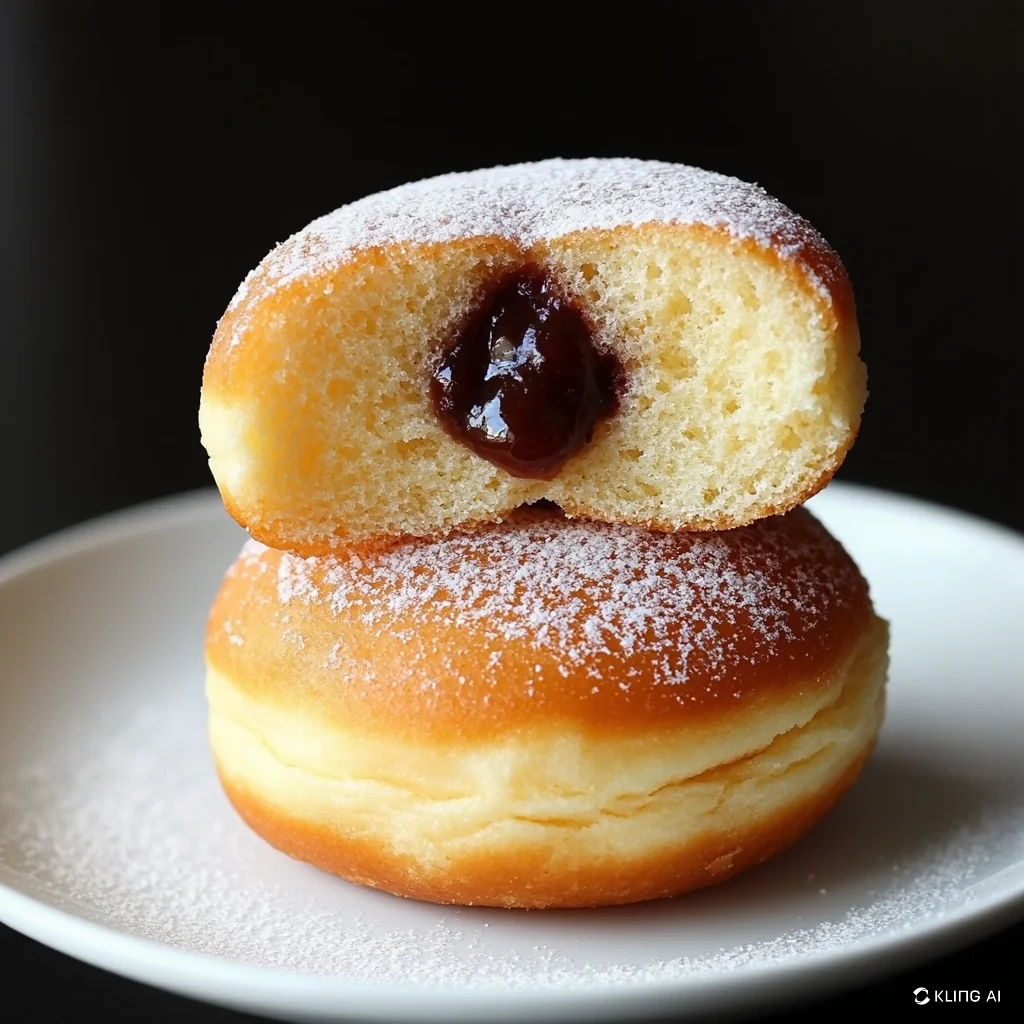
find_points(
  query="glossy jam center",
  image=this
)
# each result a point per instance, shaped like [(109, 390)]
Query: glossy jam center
[(521, 382)]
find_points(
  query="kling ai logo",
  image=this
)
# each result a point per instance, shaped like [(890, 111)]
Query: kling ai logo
[(956, 995)]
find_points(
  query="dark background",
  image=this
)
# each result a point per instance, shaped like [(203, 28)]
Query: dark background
[(154, 152)]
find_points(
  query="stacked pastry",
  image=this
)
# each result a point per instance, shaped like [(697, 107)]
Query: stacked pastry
[(531, 616)]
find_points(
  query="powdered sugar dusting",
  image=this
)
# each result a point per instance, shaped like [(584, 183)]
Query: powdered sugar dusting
[(292, 583), (614, 601), (132, 832), (530, 203)]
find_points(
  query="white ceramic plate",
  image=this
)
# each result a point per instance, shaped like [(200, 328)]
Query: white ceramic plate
[(117, 847)]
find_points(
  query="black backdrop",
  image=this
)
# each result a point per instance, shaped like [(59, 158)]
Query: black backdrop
[(156, 151)]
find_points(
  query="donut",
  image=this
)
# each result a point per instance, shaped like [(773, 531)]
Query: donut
[(638, 342), (547, 712)]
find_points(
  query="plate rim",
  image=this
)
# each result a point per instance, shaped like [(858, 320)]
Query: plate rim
[(205, 976), (223, 981)]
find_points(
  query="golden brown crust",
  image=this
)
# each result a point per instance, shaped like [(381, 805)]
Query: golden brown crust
[(524, 879), (731, 621)]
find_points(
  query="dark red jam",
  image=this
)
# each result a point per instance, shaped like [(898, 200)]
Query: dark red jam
[(521, 382)]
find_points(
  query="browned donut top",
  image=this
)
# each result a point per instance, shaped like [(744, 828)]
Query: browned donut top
[(529, 204), (540, 618)]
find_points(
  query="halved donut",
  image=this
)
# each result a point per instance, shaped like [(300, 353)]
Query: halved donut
[(638, 342)]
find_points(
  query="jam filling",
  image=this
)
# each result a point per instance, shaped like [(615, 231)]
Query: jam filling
[(521, 382)]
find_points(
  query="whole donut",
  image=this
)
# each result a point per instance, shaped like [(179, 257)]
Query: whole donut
[(545, 712)]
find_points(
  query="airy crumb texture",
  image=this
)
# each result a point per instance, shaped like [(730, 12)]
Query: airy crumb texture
[(733, 319)]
